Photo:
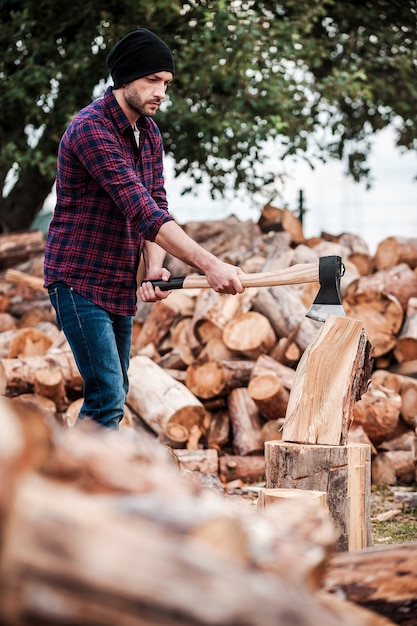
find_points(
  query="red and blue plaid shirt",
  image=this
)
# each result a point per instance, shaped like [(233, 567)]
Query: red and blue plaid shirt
[(110, 198)]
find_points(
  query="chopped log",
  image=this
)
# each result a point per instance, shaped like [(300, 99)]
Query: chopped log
[(17, 247), (212, 312), (381, 579), (406, 345), (381, 314), (17, 376), (406, 387), (159, 399), (249, 334), (395, 250), (28, 342), (286, 352), (204, 461), (269, 395), (358, 435), (275, 219), (394, 466), (209, 379), (320, 407), (215, 350), (21, 278), (265, 364), (272, 430), (285, 310), (378, 412), (7, 323), (343, 472), (245, 422), (249, 469), (272, 496), (219, 430), (400, 281), (41, 404), (156, 326), (50, 383)]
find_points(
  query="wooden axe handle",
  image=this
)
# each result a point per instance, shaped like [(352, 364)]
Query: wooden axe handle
[(297, 274)]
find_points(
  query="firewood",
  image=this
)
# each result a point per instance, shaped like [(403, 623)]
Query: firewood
[(400, 281), (406, 345), (18, 375), (7, 323), (156, 326), (272, 430), (50, 383), (250, 469), (378, 412), (16, 247), (274, 218), (245, 422), (249, 334), (28, 342), (20, 278), (395, 250), (320, 407), (174, 435), (219, 429), (205, 461), (265, 364), (394, 466), (381, 314), (269, 395), (212, 312), (159, 399), (209, 379), (406, 388), (381, 579)]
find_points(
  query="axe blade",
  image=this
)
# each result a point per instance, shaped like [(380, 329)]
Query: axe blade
[(328, 300)]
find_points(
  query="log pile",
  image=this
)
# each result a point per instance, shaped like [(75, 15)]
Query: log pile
[(68, 557)]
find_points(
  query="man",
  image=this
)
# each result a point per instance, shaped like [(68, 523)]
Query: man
[(111, 209)]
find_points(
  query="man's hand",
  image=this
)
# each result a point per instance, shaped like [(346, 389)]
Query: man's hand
[(224, 278), (146, 291)]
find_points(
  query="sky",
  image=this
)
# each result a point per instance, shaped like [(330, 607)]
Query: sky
[(334, 203)]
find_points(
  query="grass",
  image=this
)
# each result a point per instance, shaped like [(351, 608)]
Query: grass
[(391, 522)]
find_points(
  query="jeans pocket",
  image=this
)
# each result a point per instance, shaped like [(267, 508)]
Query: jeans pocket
[(53, 296)]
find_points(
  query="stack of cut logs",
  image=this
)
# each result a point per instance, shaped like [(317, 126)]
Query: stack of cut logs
[(103, 527)]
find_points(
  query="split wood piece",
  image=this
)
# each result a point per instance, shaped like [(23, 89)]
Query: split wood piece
[(218, 432), (17, 247), (265, 364), (205, 461), (395, 250), (20, 278), (160, 399), (248, 469), (269, 395), (381, 314), (286, 312), (276, 219), (343, 472), (272, 496), (50, 383), (406, 387), (406, 345), (399, 281), (245, 422), (18, 376), (250, 334), (156, 326), (331, 376), (380, 579), (209, 379), (394, 466), (378, 412)]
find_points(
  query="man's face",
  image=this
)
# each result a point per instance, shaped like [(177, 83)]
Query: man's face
[(144, 95)]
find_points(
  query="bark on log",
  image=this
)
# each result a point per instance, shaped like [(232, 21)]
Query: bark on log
[(159, 399), (245, 422), (17, 247), (320, 407), (382, 316), (383, 580)]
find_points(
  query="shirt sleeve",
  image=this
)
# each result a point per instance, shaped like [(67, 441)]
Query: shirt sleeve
[(101, 154)]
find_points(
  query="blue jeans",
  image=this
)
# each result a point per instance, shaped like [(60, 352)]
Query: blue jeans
[(101, 343)]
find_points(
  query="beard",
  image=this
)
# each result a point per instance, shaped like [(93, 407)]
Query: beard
[(140, 106)]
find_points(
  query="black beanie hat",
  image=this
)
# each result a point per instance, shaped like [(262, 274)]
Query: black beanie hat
[(140, 53)]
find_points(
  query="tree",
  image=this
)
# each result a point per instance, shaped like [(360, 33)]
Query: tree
[(307, 74)]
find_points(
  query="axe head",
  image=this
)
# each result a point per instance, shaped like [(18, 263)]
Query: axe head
[(328, 300)]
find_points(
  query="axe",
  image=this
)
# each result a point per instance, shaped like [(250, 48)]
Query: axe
[(327, 272)]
